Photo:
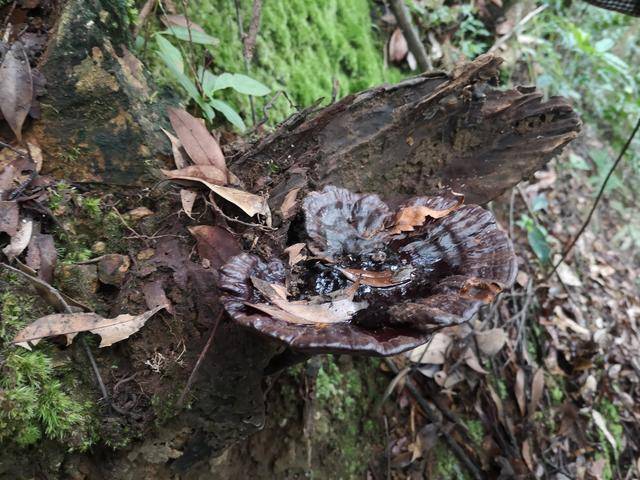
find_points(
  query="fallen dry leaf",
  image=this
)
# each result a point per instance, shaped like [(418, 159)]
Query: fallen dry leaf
[(9, 217), (601, 423), (386, 278), (196, 140), (42, 255), (16, 88), (155, 297), (398, 47), (187, 199), (111, 330), (215, 244), (20, 240), (205, 174), (139, 213), (302, 312), (490, 342), (294, 252), (472, 361), (176, 147), (410, 217), (433, 352), (174, 20), (288, 207), (519, 390), (526, 455), (537, 389), (248, 202)]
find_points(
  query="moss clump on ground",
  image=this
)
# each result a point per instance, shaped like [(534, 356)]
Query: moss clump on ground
[(344, 431), (38, 398), (301, 48)]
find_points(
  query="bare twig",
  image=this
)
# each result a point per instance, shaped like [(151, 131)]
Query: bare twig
[(244, 57), (254, 26), (203, 354), (146, 9), (433, 418), (597, 200), (503, 39), (413, 40)]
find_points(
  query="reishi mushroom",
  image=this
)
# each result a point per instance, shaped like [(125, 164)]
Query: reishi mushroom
[(378, 280)]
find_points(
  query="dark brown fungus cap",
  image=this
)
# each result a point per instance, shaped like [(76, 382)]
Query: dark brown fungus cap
[(382, 280)]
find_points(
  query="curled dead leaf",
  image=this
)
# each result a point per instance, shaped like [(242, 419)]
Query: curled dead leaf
[(206, 174), (490, 342), (248, 202), (16, 88), (398, 47), (288, 207), (20, 240), (215, 244), (386, 278), (196, 140), (414, 216), (111, 330), (521, 395), (294, 252), (187, 199), (176, 149)]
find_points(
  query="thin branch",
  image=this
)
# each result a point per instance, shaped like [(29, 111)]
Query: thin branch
[(597, 200), (503, 39), (254, 26), (411, 35), (203, 354), (244, 57), (433, 418)]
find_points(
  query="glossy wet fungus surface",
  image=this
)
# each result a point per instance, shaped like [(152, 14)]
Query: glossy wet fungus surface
[(373, 279)]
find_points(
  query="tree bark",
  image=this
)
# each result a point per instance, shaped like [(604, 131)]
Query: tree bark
[(433, 131)]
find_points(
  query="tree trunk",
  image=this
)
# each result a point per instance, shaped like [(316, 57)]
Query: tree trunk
[(102, 128)]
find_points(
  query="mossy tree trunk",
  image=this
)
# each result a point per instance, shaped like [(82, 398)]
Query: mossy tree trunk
[(101, 128)]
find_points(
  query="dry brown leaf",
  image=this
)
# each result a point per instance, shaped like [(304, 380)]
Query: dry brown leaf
[(294, 252), (155, 297), (490, 342), (537, 389), (42, 255), (196, 140), (187, 199), (521, 395), (398, 47), (302, 312), (180, 21), (526, 455), (176, 146), (472, 361), (410, 217), (215, 244), (206, 174), (16, 88), (386, 278), (601, 423), (35, 152), (248, 202), (111, 330), (433, 352), (139, 213), (288, 207), (9, 217), (20, 240)]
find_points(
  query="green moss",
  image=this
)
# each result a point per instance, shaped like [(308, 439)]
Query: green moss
[(345, 394), (37, 399), (301, 48), (446, 465), (476, 431)]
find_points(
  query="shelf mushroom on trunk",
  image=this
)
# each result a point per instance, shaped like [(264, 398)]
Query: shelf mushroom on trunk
[(377, 280)]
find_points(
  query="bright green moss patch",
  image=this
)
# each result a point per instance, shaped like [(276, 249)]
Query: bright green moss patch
[(37, 399), (302, 47)]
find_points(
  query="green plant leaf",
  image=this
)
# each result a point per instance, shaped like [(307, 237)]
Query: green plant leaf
[(538, 243), (241, 84), (196, 36), (228, 112), (604, 45), (169, 54), (248, 86), (207, 80)]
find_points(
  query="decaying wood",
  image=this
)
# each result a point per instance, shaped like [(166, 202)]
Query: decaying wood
[(427, 132)]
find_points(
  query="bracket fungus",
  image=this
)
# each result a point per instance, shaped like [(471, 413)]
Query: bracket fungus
[(376, 280)]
